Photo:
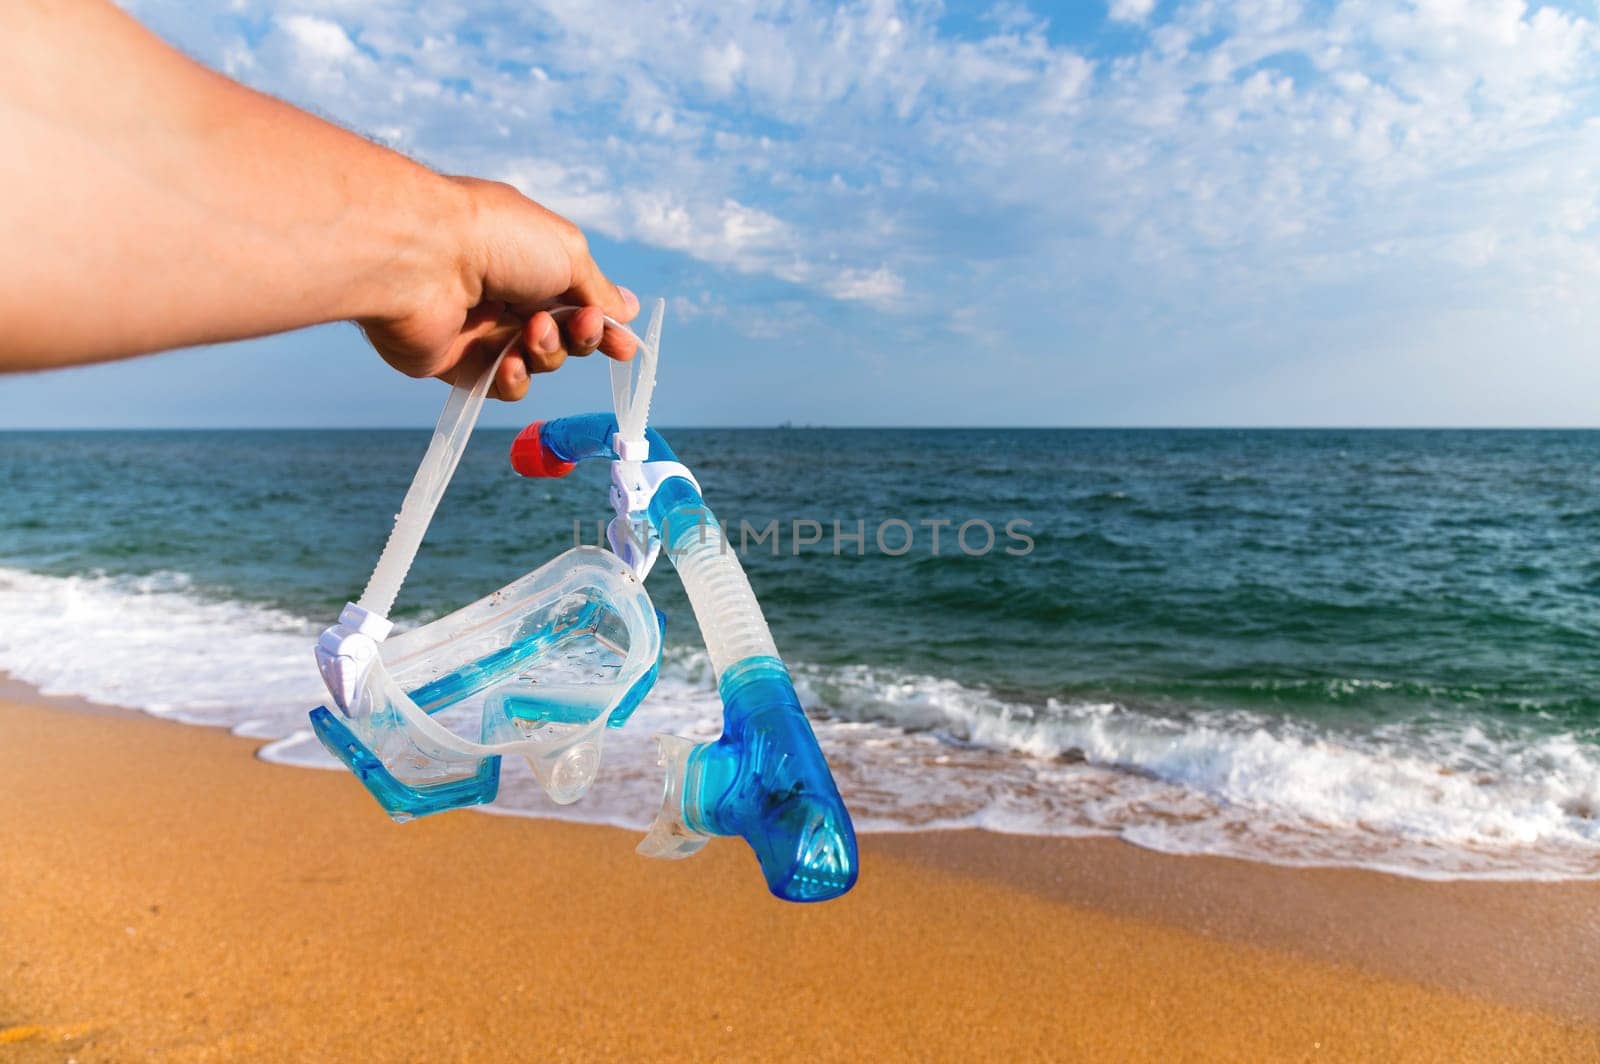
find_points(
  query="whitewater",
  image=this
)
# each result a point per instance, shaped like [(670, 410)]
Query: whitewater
[(1445, 800)]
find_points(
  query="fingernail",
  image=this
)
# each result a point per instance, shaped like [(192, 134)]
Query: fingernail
[(550, 342), (631, 300)]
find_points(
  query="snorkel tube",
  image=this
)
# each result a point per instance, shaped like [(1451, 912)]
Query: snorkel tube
[(765, 780)]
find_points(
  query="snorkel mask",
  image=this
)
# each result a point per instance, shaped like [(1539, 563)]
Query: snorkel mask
[(543, 667)]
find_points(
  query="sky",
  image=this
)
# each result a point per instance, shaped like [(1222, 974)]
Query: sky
[(1141, 212)]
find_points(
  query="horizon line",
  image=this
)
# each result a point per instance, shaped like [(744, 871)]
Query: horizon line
[(790, 427)]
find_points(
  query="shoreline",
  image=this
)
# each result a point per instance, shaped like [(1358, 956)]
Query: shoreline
[(923, 749), (15, 689), (138, 849)]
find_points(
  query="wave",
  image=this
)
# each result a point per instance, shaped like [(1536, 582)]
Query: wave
[(154, 643), (1461, 797)]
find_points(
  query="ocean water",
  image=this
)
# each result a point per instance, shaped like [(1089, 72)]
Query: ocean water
[(1307, 647)]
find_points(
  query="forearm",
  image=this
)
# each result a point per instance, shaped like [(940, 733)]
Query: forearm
[(200, 194)]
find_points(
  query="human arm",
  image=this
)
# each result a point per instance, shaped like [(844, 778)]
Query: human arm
[(147, 202)]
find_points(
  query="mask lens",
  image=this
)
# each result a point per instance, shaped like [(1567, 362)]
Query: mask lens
[(536, 670)]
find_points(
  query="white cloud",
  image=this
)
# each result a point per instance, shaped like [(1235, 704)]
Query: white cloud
[(1131, 10), (1243, 164), (582, 193), (319, 39), (881, 287)]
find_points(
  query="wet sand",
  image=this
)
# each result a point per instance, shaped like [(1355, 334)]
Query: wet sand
[(164, 895)]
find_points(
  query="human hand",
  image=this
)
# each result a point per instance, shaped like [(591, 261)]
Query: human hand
[(499, 261)]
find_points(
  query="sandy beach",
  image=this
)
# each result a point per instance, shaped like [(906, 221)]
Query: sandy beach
[(165, 895)]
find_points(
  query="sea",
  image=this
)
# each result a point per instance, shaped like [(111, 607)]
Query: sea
[(1374, 649)]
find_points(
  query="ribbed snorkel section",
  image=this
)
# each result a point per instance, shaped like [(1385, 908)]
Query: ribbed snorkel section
[(730, 618)]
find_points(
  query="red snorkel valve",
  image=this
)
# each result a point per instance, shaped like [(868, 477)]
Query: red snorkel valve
[(531, 458)]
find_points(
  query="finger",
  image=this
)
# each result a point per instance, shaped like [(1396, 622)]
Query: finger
[(547, 363), (618, 344), (511, 380), (579, 327), (483, 335), (621, 344), (541, 344), (583, 331)]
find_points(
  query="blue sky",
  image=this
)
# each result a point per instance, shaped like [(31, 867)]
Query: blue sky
[(1155, 213)]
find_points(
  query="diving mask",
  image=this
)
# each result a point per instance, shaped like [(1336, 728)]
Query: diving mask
[(538, 669)]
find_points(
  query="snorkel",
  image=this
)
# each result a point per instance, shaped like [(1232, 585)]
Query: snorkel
[(765, 780)]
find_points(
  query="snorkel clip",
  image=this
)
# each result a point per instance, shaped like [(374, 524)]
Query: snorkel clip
[(632, 534)]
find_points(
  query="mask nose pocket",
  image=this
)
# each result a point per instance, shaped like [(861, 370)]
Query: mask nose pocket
[(558, 735), (556, 710)]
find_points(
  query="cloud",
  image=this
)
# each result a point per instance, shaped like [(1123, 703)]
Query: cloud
[(319, 39), (1218, 175), (881, 287), (721, 232), (1131, 10)]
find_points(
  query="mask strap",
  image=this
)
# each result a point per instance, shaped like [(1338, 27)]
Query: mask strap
[(450, 436), (449, 441), (633, 382)]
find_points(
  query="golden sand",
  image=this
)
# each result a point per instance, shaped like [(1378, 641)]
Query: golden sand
[(164, 895)]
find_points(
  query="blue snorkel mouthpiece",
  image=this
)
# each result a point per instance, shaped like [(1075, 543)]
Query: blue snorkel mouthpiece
[(766, 781)]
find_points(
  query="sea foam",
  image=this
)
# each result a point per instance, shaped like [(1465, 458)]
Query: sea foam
[(912, 752)]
